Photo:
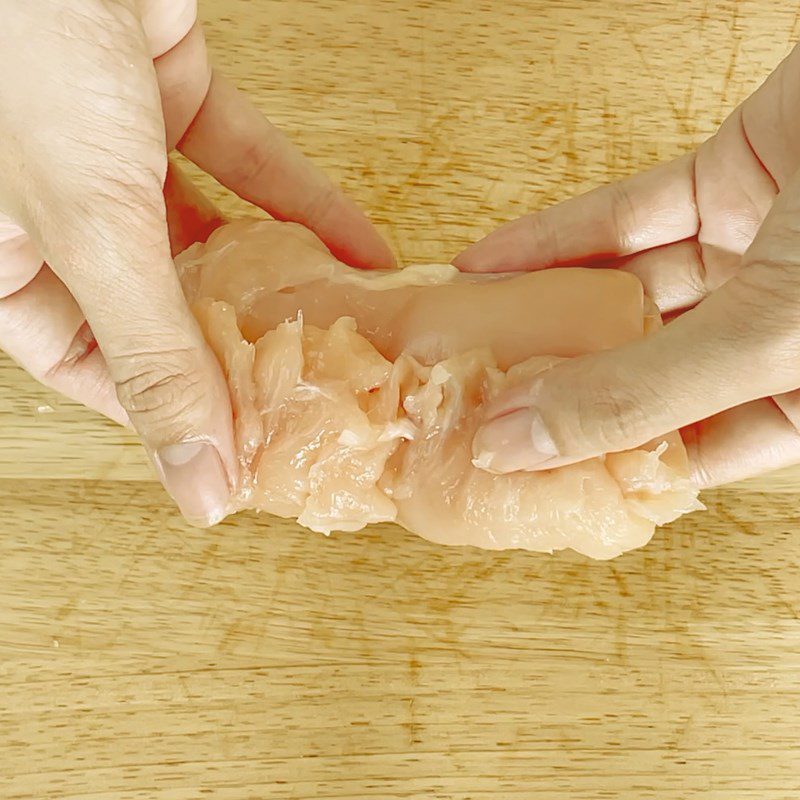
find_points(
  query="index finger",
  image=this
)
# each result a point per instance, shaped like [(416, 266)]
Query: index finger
[(646, 210), (231, 140)]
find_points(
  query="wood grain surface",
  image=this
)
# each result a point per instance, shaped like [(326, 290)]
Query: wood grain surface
[(140, 658)]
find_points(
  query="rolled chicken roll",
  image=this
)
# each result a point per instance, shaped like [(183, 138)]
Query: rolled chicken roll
[(356, 394)]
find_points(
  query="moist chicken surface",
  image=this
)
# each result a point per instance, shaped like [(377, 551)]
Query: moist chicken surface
[(356, 394)]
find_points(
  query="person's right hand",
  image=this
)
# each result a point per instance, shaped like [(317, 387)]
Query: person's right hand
[(715, 238), (93, 94)]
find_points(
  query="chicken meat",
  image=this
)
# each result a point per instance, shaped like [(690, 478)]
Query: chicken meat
[(356, 394)]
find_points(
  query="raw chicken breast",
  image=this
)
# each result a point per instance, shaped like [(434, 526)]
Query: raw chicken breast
[(356, 394)]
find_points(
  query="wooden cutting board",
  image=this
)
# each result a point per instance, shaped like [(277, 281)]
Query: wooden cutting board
[(140, 658)]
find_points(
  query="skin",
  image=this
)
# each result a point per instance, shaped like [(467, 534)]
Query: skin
[(715, 238), (99, 92)]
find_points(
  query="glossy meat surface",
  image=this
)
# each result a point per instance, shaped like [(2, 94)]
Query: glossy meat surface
[(356, 394)]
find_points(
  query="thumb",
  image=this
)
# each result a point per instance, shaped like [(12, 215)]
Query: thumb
[(86, 160), (740, 344), (116, 262)]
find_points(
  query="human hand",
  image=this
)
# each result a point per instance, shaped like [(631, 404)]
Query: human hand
[(94, 94), (715, 238)]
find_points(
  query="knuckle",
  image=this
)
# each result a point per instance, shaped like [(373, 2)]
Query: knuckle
[(255, 160), (610, 416), (623, 216), (543, 237), (322, 204), (166, 386)]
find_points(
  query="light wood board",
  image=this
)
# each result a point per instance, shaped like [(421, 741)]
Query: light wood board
[(140, 658)]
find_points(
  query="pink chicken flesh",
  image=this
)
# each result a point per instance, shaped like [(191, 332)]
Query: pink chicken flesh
[(356, 394)]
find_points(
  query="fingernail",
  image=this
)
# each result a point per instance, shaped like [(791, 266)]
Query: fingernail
[(193, 474), (516, 441), (498, 252), (478, 257)]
